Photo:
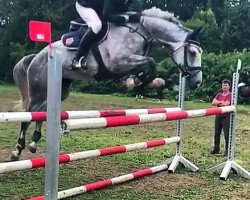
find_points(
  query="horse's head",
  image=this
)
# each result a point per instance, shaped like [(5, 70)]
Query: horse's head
[(188, 58), (182, 44)]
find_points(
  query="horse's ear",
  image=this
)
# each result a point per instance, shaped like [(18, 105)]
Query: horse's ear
[(196, 35), (202, 31)]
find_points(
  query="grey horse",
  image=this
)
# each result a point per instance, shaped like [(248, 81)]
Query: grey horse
[(122, 51)]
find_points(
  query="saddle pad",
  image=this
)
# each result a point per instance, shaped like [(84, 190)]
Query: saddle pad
[(71, 40)]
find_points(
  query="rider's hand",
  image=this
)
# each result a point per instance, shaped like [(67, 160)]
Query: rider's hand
[(241, 84), (135, 18)]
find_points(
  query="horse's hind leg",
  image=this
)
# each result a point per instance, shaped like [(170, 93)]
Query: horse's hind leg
[(37, 134), (21, 141), (33, 106), (36, 137)]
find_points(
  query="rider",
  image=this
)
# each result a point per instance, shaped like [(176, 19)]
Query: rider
[(92, 12)]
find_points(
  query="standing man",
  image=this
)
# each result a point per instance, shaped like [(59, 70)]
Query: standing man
[(222, 121)]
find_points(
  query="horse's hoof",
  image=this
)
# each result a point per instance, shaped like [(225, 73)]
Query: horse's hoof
[(65, 132), (32, 147), (14, 156), (129, 83)]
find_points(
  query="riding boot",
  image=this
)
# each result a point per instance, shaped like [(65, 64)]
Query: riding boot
[(83, 49)]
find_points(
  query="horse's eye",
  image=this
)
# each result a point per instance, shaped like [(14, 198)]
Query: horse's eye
[(193, 53)]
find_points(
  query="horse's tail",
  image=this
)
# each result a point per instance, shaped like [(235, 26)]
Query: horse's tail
[(20, 79)]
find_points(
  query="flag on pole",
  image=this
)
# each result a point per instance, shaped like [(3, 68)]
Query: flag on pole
[(40, 31)]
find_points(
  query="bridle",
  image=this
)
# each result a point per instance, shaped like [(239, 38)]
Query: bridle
[(186, 69)]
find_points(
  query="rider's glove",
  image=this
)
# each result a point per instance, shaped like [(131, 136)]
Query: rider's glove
[(135, 18), (241, 84)]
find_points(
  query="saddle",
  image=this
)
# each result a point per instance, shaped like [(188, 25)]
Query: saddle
[(71, 39)]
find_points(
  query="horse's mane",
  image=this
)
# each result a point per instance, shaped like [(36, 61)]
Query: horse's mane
[(158, 13)]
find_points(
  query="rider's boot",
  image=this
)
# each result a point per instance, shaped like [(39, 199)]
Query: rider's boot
[(83, 49)]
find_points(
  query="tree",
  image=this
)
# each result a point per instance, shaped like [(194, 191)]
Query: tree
[(14, 18), (236, 28), (211, 40)]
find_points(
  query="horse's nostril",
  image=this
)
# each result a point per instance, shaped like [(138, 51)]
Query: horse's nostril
[(198, 83)]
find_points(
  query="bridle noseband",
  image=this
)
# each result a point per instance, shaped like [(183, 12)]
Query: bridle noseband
[(185, 69)]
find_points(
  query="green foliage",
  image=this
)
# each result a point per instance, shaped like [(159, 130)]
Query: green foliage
[(215, 67), (237, 30), (17, 51), (211, 40), (14, 18)]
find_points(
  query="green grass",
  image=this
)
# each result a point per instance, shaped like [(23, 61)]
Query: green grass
[(181, 185), (8, 88)]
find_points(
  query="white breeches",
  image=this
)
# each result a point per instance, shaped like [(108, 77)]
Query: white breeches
[(90, 17)]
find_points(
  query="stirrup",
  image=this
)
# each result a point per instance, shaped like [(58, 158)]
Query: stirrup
[(79, 64), (82, 62)]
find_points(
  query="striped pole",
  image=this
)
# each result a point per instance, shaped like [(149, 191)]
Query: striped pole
[(104, 122), (66, 158), (41, 116), (107, 183)]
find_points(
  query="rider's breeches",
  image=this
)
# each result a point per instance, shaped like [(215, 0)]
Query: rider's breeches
[(90, 17)]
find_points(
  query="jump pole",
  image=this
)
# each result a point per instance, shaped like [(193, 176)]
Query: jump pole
[(107, 183), (107, 122), (230, 164), (66, 158), (42, 116)]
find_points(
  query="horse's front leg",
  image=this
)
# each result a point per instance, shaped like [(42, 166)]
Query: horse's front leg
[(34, 105), (138, 70)]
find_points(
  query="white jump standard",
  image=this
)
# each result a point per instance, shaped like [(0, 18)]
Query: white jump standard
[(230, 163)]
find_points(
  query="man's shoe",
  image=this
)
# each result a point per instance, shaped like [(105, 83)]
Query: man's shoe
[(215, 151)]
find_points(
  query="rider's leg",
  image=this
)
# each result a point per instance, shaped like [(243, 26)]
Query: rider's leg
[(83, 48), (95, 25)]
